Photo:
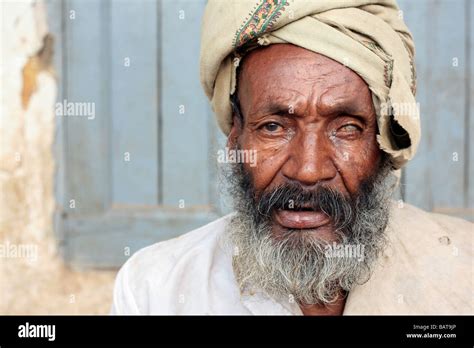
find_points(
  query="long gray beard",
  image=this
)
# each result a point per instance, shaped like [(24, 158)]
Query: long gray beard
[(298, 267)]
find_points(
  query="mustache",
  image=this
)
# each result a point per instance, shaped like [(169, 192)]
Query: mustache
[(292, 196)]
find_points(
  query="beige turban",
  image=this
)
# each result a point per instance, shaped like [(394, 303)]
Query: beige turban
[(368, 36)]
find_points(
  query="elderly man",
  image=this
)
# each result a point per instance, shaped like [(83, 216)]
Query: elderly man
[(318, 90)]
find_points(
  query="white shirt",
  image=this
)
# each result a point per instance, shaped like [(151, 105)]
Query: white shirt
[(419, 273)]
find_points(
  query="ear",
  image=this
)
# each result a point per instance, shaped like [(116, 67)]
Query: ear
[(235, 131)]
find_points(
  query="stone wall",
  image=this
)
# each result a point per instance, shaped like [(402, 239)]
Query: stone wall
[(33, 278)]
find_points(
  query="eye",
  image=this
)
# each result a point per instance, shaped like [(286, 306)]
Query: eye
[(349, 131), (271, 127), (350, 128)]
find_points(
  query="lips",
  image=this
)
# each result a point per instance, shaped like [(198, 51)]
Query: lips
[(301, 219)]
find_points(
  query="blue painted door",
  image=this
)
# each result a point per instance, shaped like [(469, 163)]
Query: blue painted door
[(143, 169), (440, 178)]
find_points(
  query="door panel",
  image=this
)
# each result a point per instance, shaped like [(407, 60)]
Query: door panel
[(139, 171), (144, 168)]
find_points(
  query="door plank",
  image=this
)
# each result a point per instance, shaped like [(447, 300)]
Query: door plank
[(435, 178), (186, 134), (133, 100)]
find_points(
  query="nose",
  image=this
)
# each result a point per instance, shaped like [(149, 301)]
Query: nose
[(310, 160)]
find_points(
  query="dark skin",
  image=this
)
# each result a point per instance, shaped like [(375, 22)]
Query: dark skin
[(311, 121)]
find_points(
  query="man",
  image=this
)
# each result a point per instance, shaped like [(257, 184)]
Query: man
[(318, 91)]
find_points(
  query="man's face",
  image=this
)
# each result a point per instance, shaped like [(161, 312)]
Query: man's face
[(312, 123), (320, 184)]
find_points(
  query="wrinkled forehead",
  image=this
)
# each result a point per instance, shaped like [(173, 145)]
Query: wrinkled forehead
[(285, 72)]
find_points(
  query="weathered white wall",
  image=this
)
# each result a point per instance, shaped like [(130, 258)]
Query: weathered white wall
[(33, 278)]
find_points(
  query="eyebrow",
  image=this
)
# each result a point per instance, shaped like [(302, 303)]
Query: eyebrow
[(273, 107), (340, 106)]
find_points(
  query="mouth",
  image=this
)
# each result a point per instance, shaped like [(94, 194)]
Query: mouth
[(302, 218)]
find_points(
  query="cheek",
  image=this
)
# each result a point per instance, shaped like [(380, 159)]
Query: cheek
[(357, 160), (270, 157)]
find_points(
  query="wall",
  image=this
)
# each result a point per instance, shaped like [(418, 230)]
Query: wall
[(33, 277)]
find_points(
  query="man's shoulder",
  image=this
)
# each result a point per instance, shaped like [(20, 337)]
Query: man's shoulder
[(408, 219), (430, 236), (188, 246), (428, 263), (154, 275), (425, 269)]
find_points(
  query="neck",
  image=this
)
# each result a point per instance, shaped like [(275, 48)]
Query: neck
[(335, 308)]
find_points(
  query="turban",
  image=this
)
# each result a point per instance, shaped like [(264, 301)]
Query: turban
[(367, 36)]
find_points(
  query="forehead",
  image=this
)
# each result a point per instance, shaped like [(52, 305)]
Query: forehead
[(285, 71)]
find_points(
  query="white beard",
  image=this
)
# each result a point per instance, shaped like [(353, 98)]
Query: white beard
[(297, 266)]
